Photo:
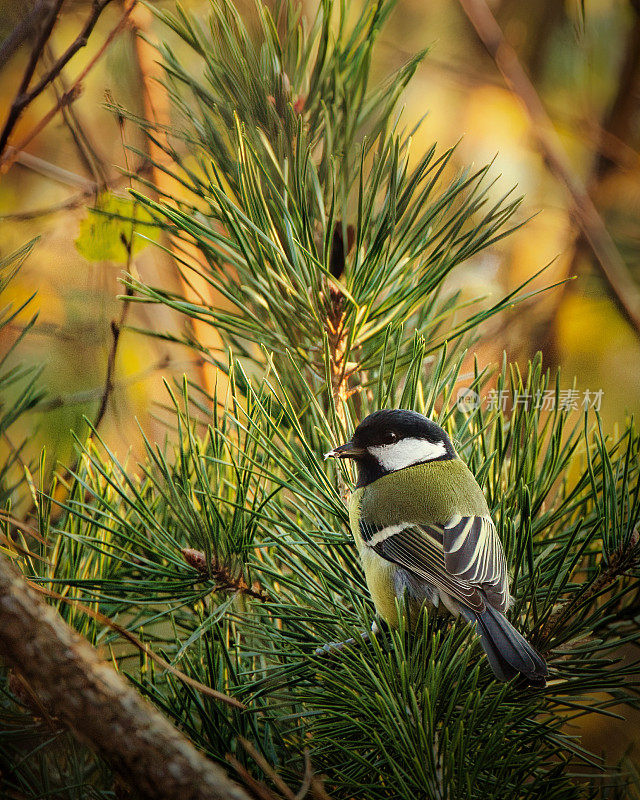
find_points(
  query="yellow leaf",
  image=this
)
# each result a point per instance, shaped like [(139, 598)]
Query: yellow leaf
[(107, 230)]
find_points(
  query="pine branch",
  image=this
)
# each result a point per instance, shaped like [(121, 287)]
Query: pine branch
[(624, 558), (227, 545)]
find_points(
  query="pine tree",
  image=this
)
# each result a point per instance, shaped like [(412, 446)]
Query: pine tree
[(328, 244)]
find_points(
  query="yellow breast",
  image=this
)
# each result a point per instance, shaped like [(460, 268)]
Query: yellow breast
[(379, 574)]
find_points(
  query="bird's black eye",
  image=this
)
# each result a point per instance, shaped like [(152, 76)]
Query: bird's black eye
[(390, 437)]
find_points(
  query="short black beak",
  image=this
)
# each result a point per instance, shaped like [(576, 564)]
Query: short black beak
[(348, 450)]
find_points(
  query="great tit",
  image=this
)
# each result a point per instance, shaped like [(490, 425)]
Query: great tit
[(423, 528)]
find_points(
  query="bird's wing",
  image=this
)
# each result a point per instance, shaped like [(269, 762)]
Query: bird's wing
[(419, 549), (460, 558), (473, 552)]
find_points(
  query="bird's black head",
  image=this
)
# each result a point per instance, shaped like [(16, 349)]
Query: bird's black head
[(393, 439)]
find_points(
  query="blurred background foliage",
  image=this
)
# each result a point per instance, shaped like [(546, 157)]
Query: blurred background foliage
[(584, 61)]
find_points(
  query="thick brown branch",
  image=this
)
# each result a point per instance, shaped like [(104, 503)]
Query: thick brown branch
[(624, 290), (96, 703)]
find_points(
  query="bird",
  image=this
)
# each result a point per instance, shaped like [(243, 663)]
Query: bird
[(423, 530)]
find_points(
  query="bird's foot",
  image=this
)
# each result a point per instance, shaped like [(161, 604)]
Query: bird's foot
[(333, 647)]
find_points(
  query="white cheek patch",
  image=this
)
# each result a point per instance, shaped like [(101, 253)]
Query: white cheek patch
[(406, 452)]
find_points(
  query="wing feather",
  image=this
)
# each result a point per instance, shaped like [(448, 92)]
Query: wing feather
[(464, 559), (419, 550), (474, 552)]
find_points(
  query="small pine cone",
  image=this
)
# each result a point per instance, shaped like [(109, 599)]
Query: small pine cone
[(196, 559)]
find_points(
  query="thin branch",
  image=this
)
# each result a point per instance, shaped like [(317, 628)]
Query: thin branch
[(307, 778), (258, 789), (97, 7), (69, 96), (25, 96), (116, 330), (225, 581), (17, 107), (90, 395), (87, 149), (624, 289), (74, 202), (8, 158), (267, 768), (53, 171), (96, 703)]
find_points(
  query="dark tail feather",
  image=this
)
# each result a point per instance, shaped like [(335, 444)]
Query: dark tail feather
[(508, 652)]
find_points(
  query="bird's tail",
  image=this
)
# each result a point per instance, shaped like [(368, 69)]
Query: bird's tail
[(508, 652)]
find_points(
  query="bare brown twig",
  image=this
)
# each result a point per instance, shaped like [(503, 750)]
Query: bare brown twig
[(49, 17), (97, 7), (267, 768), (6, 160), (225, 581), (310, 782), (258, 789), (52, 171), (613, 269), (116, 330), (85, 146), (25, 95), (77, 200)]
